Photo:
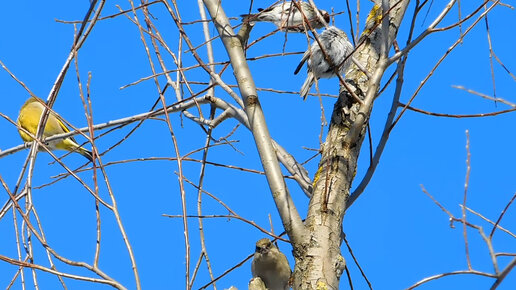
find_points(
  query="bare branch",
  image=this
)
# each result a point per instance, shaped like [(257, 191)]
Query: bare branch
[(435, 277), (289, 215)]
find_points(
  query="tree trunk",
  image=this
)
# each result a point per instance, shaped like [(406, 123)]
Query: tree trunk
[(319, 263)]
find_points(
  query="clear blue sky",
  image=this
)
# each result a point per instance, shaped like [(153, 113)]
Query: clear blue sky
[(398, 234)]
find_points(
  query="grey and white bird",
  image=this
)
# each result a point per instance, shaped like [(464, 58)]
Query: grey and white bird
[(271, 265), (287, 17), (337, 47)]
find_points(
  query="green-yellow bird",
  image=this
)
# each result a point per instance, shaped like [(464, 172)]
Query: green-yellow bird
[(30, 113)]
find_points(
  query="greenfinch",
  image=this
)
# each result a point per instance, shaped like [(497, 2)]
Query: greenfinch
[(271, 266), (30, 113)]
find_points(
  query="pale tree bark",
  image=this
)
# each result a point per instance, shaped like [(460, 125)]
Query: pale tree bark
[(319, 262)]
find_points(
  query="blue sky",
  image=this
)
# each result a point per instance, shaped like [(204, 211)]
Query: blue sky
[(397, 233)]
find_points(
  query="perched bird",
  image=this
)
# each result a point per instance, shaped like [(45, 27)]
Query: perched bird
[(287, 17), (30, 113), (337, 47), (271, 265)]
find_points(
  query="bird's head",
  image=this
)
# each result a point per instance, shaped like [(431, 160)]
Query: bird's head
[(263, 246), (325, 15)]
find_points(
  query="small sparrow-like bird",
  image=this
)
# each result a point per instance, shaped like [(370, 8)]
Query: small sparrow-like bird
[(337, 47), (287, 17), (30, 113), (271, 265)]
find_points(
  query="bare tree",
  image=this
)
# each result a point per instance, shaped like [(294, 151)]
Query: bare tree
[(193, 81)]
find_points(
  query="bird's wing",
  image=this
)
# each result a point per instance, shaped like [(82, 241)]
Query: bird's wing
[(61, 123)]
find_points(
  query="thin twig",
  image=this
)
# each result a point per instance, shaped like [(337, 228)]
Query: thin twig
[(466, 184), (491, 222), (501, 216)]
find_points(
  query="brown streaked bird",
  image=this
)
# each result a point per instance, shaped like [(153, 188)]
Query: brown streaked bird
[(30, 113), (271, 266), (287, 17)]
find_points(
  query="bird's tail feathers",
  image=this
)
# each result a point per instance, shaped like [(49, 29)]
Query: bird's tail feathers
[(307, 85), (299, 66), (302, 62), (86, 153), (69, 144), (251, 18)]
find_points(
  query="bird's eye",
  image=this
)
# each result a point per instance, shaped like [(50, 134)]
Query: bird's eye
[(257, 249)]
